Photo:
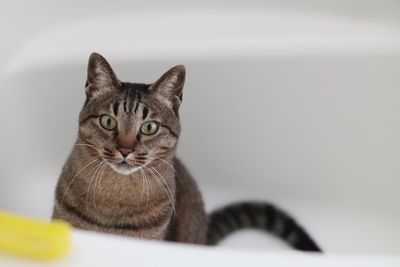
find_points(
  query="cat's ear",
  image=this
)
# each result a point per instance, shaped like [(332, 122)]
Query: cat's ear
[(100, 76), (168, 89)]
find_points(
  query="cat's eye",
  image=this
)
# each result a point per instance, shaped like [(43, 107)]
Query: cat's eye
[(149, 128), (108, 122)]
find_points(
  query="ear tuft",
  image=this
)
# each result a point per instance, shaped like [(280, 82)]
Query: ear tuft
[(100, 76), (169, 87)]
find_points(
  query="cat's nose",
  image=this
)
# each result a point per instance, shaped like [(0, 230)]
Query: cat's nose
[(125, 151)]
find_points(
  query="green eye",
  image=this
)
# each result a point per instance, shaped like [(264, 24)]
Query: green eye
[(149, 128), (108, 122)]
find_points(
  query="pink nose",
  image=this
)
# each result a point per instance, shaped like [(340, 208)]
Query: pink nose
[(125, 151)]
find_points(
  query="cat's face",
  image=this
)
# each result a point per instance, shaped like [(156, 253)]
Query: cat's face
[(130, 125)]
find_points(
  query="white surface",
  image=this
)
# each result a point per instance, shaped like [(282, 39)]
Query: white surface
[(286, 103), (99, 250)]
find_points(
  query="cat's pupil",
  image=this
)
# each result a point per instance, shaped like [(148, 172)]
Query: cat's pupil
[(109, 121), (149, 127)]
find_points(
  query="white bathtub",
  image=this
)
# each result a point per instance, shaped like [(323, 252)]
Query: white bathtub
[(297, 106)]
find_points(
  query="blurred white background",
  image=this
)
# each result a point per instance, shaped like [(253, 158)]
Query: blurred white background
[(295, 102)]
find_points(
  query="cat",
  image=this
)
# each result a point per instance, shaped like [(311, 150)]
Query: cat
[(122, 176)]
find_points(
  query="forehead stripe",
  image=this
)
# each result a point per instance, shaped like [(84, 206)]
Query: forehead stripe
[(125, 106), (136, 107), (145, 112), (116, 108)]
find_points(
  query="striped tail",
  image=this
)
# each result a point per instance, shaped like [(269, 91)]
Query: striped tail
[(258, 215)]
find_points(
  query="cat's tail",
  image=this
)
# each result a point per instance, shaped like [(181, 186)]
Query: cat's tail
[(259, 215)]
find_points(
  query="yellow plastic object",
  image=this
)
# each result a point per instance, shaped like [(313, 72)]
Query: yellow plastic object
[(33, 238)]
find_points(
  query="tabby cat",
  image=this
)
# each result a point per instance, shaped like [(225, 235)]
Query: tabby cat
[(122, 176)]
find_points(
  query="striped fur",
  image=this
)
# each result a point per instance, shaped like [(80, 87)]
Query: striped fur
[(224, 221)]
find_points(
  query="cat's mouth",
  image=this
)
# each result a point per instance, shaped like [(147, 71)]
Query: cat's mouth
[(124, 164), (124, 167)]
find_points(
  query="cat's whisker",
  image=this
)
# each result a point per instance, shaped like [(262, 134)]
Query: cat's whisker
[(151, 170), (165, 182), (90, 183), (142, 176), (166, 162), (76, 176), (145, 183), (148, 187), (159, 183), (98, 180)]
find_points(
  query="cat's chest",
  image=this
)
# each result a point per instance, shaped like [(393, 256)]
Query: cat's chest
[(115, 192), (116, 195)]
